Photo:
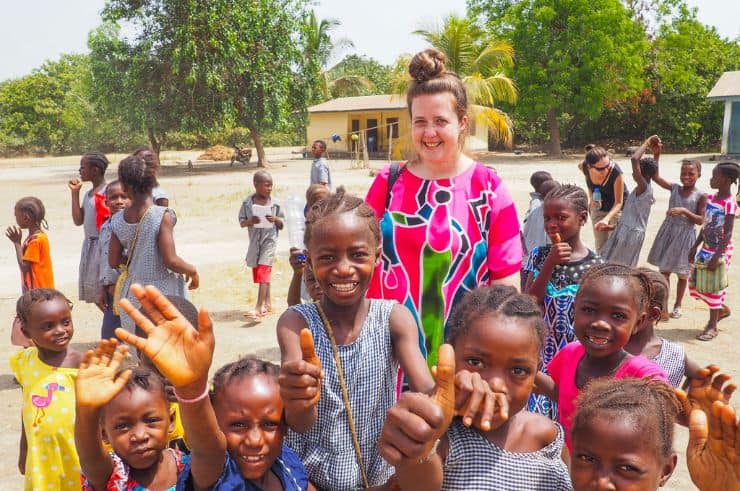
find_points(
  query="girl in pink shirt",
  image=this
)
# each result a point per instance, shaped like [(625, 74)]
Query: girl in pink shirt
[(611, 305)]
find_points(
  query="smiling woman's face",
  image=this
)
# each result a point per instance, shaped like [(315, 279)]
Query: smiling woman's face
[(436, 129)]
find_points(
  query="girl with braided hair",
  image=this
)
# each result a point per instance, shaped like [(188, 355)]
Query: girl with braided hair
[(611, 305), (716, 243), (91, 214)]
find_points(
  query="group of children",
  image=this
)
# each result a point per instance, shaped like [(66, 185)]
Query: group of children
[(579, 347)]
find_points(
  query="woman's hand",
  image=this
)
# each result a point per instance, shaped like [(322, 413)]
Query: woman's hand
[(182, 353), (14, 234), (603, 226), (98, 380), (713, 452)]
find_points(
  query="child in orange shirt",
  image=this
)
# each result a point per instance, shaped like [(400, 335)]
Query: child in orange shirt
[(33, 254)]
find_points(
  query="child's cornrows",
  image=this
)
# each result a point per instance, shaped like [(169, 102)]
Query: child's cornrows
[(648, 403), (26, 301), (34, 207), (137, 174), (659, 297), (144, 378), (337, 203), (496, 299), (245, 367), (730, 169), (571, 193), (642, 286), (97, 159)]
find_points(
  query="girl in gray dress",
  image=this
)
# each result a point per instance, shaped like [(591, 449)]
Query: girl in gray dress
[(92, 168), (670, 251), (624, 245), (145, 230)]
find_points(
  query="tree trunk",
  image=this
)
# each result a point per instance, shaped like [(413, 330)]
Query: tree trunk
[(261, 158), (155, 143), (552, 123)]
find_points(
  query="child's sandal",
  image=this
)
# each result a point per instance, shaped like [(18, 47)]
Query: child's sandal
[(676, 314)]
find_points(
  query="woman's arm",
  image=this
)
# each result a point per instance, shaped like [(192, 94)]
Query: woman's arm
[(618, 199), (405, 337)]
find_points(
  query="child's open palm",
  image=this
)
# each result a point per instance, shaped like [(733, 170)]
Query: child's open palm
[(181, 353), (98, 380), (14, 234), (706, 387), (713, 453)]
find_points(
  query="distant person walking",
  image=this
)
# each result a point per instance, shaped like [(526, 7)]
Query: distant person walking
[(320, 172)]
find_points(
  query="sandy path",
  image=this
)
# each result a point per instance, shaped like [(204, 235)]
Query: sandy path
[(207, 201)]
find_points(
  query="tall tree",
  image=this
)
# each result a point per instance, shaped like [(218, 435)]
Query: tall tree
[(318, 48), (574, 57), (357, 75), (480, 60)]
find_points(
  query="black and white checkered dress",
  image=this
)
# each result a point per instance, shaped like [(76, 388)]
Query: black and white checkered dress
[(370, 370), (475, 464), (672, 359)]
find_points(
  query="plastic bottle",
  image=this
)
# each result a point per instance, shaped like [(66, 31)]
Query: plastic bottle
[(596, 197), (294, 207)]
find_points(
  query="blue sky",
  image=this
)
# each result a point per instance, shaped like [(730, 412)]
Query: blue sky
[(36, 30)]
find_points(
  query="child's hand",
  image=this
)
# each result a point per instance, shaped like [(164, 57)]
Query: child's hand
[(706, 387), (98, 380), (692, 255), (193, 280), (181, 353), (102, 299), (714, 262), (300, 380), (713, 452), (417, 421), (254, 220), (478, 403), (74, 185), (654, 140), (677, 211), (14, 234), (559, 253), (297, 259)]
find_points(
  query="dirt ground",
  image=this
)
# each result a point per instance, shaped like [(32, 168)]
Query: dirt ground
[(207, 200)]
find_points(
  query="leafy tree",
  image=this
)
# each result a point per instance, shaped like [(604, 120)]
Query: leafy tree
[(479, 59), (358, 75), (574, 57), (318, 48)]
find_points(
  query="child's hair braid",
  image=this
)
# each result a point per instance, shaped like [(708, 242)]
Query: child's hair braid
[(26, 301), (137, 174), (642, 287), (730, 169), (571, 193), (648, 167), (244, 367), (659, 284), (495, 299), (97, 159), (340, 202), (34, 207), (143, 377), (649, 404)]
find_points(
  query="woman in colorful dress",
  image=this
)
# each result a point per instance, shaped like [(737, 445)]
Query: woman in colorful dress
[(449, 224)]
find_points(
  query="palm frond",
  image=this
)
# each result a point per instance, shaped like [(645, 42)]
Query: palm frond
[(498, 122)]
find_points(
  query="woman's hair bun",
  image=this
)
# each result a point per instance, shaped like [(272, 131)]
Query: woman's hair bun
[(427, 64)]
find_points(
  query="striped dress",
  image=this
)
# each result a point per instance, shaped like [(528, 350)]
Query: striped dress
[(370, 368), (713, 234), (476, 464)]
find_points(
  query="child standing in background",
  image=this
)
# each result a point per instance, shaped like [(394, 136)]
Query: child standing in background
[(47, 372), (33, 254), (91, 214), (670, 251), (263, 233), (533, 231), (555, 272), (624, 245), (716, 243), (320, 173), (116, 200)]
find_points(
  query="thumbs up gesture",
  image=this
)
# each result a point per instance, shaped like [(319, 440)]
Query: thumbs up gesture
[(300, 380), (417, 421)]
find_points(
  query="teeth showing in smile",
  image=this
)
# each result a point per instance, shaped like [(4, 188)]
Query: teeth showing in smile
[(597, 340), (253, 459), (432, 145), (344, 287)]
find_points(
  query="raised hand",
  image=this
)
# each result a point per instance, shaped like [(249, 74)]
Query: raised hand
[(181, 353), (706, 387), (417, 420), (300, 380), (74, 185), (559, 253), (98, 379), (14, 234), (713, 452)]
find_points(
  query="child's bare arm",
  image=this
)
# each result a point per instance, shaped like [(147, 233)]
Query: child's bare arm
[(115, 252), (298, 263), (300, 372), (78, 214), (97, 383), (15, 235), (166, 243), (405, 337), (22, 449), (183, 355), (698, 217), (559, 253), (545, 385), (636, 171)]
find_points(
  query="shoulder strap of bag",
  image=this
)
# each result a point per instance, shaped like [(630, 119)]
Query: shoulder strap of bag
[(136, 237), (393, 175)]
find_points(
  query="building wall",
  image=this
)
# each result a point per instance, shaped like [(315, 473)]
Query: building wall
[(730, 128), (322, 125)]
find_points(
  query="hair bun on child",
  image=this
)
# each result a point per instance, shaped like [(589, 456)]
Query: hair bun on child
[(427, 64)]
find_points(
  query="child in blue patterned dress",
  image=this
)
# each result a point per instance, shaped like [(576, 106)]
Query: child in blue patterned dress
[(555, 273), (497, 333)]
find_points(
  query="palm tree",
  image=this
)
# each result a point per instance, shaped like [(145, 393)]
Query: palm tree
[(318, 48), (479, 59)]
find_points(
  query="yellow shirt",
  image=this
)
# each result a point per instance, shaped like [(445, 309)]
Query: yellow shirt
[(49, 421)]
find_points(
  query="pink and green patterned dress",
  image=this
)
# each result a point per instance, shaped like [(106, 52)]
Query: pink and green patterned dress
[(441, 239)]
